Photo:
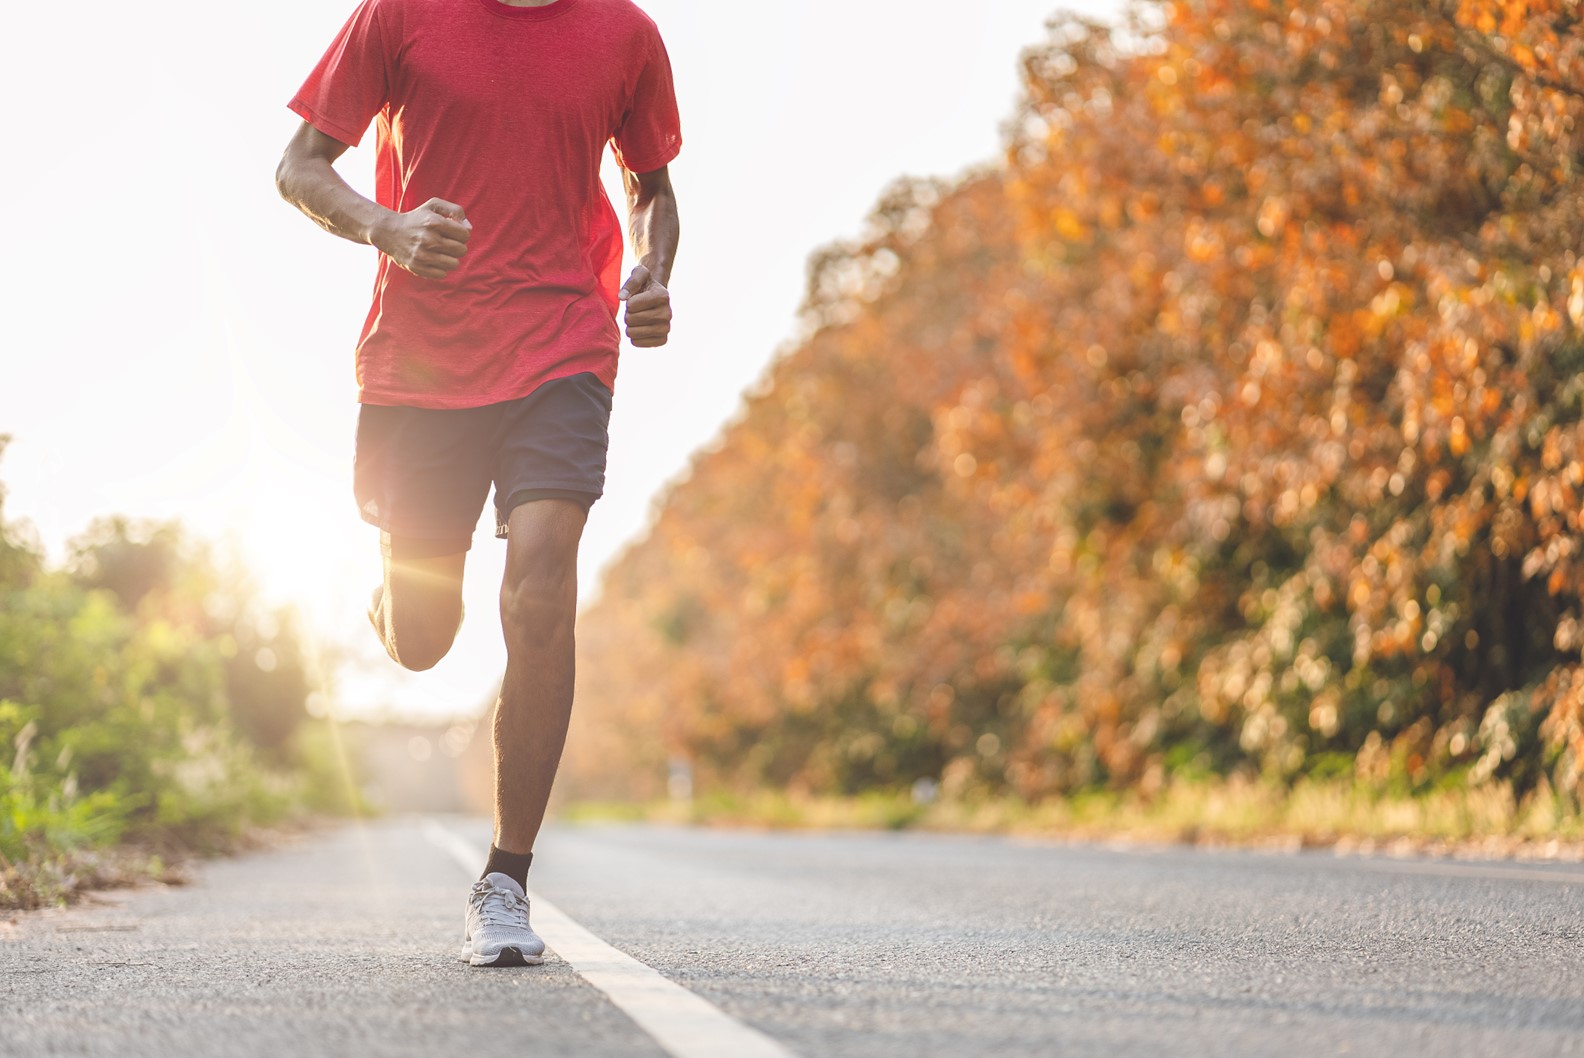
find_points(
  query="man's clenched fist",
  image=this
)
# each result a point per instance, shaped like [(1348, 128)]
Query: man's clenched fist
[(428, 241), (648, 309)]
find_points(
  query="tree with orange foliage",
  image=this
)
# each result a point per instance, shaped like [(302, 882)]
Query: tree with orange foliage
[(1233, 426)]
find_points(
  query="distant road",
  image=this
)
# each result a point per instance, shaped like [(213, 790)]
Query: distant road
[(891, 946)]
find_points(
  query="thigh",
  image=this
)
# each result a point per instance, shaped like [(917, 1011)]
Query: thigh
[(422, 475), (552, 446)]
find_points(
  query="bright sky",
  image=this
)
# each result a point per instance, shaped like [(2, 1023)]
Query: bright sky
[(179, 341)]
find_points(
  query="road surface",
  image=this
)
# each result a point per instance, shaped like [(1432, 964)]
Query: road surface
[(813, 945)]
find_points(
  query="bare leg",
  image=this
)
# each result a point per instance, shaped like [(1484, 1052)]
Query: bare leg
[(538, 607), (418, 609)]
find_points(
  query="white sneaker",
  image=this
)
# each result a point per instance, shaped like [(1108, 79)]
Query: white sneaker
[(496, 931)]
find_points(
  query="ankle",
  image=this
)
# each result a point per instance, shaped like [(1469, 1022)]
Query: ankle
[(513, 865)]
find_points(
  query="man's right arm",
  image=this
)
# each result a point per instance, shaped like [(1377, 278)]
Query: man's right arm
[(427, 241)]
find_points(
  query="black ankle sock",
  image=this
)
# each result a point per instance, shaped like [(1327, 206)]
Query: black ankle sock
[(513, 865)]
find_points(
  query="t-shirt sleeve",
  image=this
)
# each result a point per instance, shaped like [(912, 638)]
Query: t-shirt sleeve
[(351, 84), (650, 135)]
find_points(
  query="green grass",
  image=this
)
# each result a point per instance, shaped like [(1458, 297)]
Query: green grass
[(1486, 819), (57, 843)]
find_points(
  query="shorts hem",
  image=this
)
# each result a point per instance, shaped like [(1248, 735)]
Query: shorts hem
[(407, 545), (586, 497)]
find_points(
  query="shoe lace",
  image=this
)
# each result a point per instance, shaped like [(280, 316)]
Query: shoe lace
[(498, 906)]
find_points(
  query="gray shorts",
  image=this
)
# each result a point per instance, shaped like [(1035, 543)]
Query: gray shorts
[(422, 474)]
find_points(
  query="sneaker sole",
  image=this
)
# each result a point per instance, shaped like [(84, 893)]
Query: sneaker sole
[(507, 956)]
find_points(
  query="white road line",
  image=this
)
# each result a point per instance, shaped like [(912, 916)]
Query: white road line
[(683, 1024)]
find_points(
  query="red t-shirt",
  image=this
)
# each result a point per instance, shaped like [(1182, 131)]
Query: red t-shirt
[(505, 111)]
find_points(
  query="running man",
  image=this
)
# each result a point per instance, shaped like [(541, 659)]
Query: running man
[(489, 353)]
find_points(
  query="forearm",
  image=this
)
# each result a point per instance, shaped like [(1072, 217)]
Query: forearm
[(427, 241), (653, 226), (313, 186)]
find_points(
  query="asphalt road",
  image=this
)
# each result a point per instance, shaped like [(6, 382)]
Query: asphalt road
[(831, 945)]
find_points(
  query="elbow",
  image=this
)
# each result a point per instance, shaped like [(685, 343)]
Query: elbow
[(283, 176)]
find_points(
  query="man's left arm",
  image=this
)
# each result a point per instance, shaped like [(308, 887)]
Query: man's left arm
[(653, 225)]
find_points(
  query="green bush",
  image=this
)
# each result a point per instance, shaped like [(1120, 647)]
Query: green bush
[(145, 696)]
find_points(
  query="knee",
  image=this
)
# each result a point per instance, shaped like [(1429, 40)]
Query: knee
[(420, 655), (539, 598), (418, 644)]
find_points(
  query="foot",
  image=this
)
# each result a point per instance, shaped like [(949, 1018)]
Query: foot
[(496, 930)]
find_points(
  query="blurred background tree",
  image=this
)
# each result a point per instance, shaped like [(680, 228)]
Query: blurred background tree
[(1231, 428), (155, 572), (19, 556)]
